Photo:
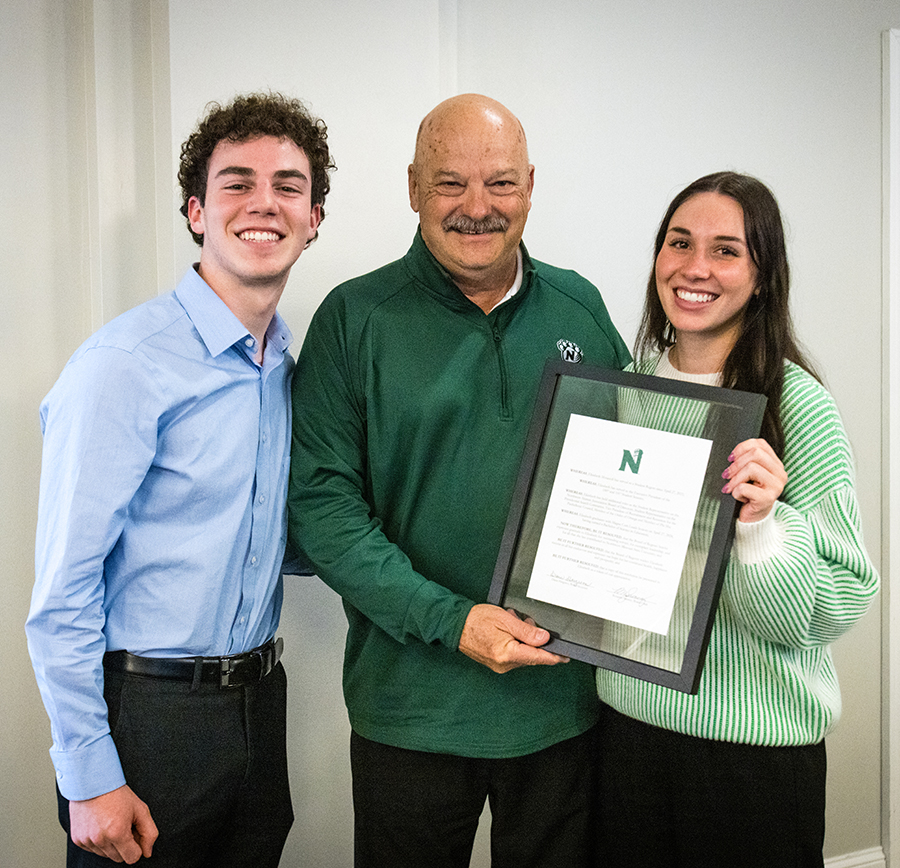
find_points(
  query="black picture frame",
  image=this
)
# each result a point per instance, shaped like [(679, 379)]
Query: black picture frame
[(724, 416)]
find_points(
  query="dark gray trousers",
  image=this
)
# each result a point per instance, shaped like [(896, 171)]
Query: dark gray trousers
[(210, 764)]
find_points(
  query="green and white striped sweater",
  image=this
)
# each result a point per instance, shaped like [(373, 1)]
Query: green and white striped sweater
[(795, 582)]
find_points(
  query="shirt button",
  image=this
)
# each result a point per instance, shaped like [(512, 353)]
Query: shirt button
[(262, 498), (253, 559), (249, 342)]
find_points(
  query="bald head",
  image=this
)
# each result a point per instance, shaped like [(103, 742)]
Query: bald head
[(470, 183), (469, 115)]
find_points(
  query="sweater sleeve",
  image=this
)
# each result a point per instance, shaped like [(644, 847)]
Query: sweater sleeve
[(330, 518), (803, 578)]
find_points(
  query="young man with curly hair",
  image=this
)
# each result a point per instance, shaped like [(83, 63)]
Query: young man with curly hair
[(161, 524)]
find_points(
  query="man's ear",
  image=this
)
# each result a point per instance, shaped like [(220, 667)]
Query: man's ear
[(315, 218), (195, 215), (413, 188)]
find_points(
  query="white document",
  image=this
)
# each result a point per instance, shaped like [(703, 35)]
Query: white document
[(619, 521)]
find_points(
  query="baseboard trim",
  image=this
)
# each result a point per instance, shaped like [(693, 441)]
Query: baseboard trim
[(873, 858)]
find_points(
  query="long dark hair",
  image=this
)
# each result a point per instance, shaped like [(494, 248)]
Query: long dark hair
[(766, 339)]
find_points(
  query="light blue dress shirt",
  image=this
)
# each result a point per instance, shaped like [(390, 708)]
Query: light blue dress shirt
[(161, 524)]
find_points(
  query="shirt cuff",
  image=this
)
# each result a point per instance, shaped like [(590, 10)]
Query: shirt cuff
[(757, 541), (436, 614), (89, 771)]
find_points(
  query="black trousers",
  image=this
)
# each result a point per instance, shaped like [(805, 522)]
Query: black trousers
[(211, 765), (421, 810), (675, 801)]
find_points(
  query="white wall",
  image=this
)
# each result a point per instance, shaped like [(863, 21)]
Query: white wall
[(623, 104)]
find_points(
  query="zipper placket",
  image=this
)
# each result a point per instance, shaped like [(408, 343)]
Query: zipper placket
[(504, 377)]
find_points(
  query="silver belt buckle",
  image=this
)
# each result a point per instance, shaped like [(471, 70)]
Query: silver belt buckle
[(268, 659), (226, 667)]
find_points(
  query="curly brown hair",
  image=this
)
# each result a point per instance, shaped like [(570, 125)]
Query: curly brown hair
[(250, 116)]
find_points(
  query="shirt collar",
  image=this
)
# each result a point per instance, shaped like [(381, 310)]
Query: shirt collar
[(278, 335), (517, 283), (217, 326), (423, 265), (665, 368)]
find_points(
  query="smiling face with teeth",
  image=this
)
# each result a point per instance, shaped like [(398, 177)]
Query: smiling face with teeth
[(471, 183), (705, 276), (257, 216)]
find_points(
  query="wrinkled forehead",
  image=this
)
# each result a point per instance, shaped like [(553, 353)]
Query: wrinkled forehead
[(486, 140)]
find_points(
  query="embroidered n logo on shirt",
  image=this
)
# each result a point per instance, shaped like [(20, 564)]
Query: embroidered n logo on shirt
[(569, 351)]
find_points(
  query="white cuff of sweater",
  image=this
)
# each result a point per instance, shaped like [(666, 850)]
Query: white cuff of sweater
[(757, 541)]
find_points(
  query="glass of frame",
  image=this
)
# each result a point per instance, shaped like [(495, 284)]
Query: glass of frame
[(618, 532)]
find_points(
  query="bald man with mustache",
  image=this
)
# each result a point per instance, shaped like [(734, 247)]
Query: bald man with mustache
[(418, 381)]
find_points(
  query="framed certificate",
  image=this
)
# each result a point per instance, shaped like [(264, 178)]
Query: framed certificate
[(618, 533)]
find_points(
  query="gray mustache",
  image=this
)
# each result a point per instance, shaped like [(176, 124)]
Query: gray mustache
[(461, 223)]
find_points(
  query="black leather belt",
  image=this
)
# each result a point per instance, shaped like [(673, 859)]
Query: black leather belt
[(233, 671)]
